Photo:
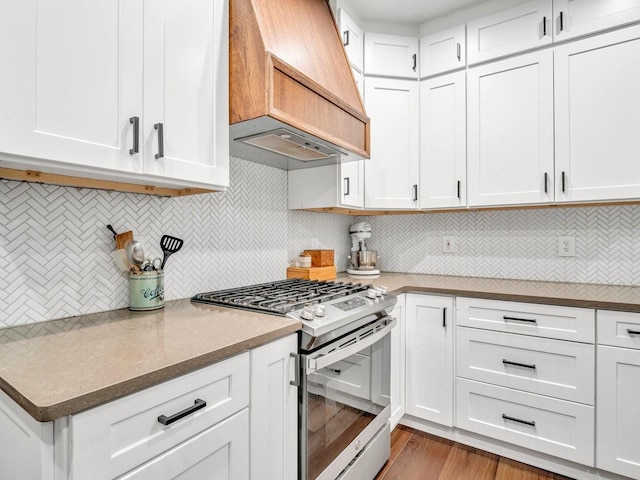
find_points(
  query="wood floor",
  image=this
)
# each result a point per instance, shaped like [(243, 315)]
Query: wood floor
[(420, 456)]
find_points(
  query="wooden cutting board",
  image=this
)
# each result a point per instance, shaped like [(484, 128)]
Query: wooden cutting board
[(312, 273)]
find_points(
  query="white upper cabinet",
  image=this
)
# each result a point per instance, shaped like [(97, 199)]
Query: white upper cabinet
[(390, 55), (597, 101), (352, 39), (443, 51), (89, 82), (186, 90), (443, 141), (573, 18), (76, 80), (510, 131), (391, 174), (520, 28), (359, 79)]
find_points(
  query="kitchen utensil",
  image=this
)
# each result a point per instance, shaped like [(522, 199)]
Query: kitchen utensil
[(150, 265), (115, 234), (122, 262), (135, 252), (169, 245)]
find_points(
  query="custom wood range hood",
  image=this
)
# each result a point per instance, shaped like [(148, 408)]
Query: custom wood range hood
[(292, 93)]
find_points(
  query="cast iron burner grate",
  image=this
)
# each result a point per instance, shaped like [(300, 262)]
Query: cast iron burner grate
[(280, 297)]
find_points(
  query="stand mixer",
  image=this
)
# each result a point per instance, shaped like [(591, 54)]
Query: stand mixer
[(362, 260)]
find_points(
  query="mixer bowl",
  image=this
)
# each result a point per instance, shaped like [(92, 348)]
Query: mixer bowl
[(364, 260)]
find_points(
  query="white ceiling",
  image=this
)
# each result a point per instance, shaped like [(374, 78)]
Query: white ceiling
[(408, 11)]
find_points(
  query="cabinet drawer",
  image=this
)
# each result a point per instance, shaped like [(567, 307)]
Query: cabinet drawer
[(111, 439), (619, 329), (548, 425), (562, 323), (538, 365)]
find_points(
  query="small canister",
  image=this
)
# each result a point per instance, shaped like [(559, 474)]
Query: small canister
[(146, 290)]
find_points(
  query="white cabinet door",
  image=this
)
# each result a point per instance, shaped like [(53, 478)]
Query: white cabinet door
[(352, 39), (390, 55), (352, 184), (510, 131), (580, 17), (26, 446), (219, 453), (618, 421), (429, 357), (516, 29), (597, 100), (73, 80), (391, 174), (359, 79), (443, 141), (443, 51), (398, 363), (274, 410), (186, 90)]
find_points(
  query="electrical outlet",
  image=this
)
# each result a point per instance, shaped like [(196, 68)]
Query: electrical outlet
[(567, 246), (449, 245)]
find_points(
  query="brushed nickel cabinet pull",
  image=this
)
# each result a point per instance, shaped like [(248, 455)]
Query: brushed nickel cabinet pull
[(633, 332), (444, 317), (197, 405), (135, 121), (160, 128), (458, 53), (347, 185), (296, 380), (415, 193), (532, 366), (544, 26), (516, 319), (345, 38), (415, 61), (531, 423)]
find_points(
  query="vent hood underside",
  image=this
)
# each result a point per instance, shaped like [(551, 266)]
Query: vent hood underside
[(288, 70)]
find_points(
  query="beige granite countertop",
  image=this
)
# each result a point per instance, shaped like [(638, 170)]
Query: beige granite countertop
[(57, 368), (61, 367), (606, 297)]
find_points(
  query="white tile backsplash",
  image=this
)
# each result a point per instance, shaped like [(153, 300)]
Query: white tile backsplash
[(520, 244), (55, 249)]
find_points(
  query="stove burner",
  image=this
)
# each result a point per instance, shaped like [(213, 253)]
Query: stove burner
[(280, 297)]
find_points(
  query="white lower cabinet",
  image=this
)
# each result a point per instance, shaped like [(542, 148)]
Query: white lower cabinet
[(543, 424), (220, 453), (618, 373), (235, 419), (274, 411), (429, 358), (398, 347), (520, 380)]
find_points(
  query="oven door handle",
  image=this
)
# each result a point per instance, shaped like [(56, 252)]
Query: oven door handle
[(323, 361)]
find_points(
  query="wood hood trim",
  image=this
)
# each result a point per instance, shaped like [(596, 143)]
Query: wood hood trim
[(263, 83)]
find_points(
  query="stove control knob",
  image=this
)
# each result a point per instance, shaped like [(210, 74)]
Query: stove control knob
[(383, 290), (372, 293), (320, 310), (308, 313)]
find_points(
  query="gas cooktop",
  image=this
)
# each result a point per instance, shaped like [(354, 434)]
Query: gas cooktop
[(281, 297)]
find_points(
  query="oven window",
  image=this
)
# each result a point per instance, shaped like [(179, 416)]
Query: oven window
[(341, 400)]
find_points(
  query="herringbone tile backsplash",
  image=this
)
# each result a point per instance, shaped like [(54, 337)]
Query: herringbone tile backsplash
[(520, 244), (55, 250)]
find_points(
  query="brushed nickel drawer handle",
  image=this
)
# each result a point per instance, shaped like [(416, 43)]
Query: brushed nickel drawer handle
[(524, 422), (516, 319), (197, 405), (633, 332), (517, 364)]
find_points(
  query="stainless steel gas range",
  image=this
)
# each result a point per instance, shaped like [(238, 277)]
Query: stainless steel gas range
[(344, 369)]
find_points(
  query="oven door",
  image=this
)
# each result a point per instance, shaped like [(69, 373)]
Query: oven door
[(345, 399)]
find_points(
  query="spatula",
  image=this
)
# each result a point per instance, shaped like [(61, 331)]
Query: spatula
[(169, 245)]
